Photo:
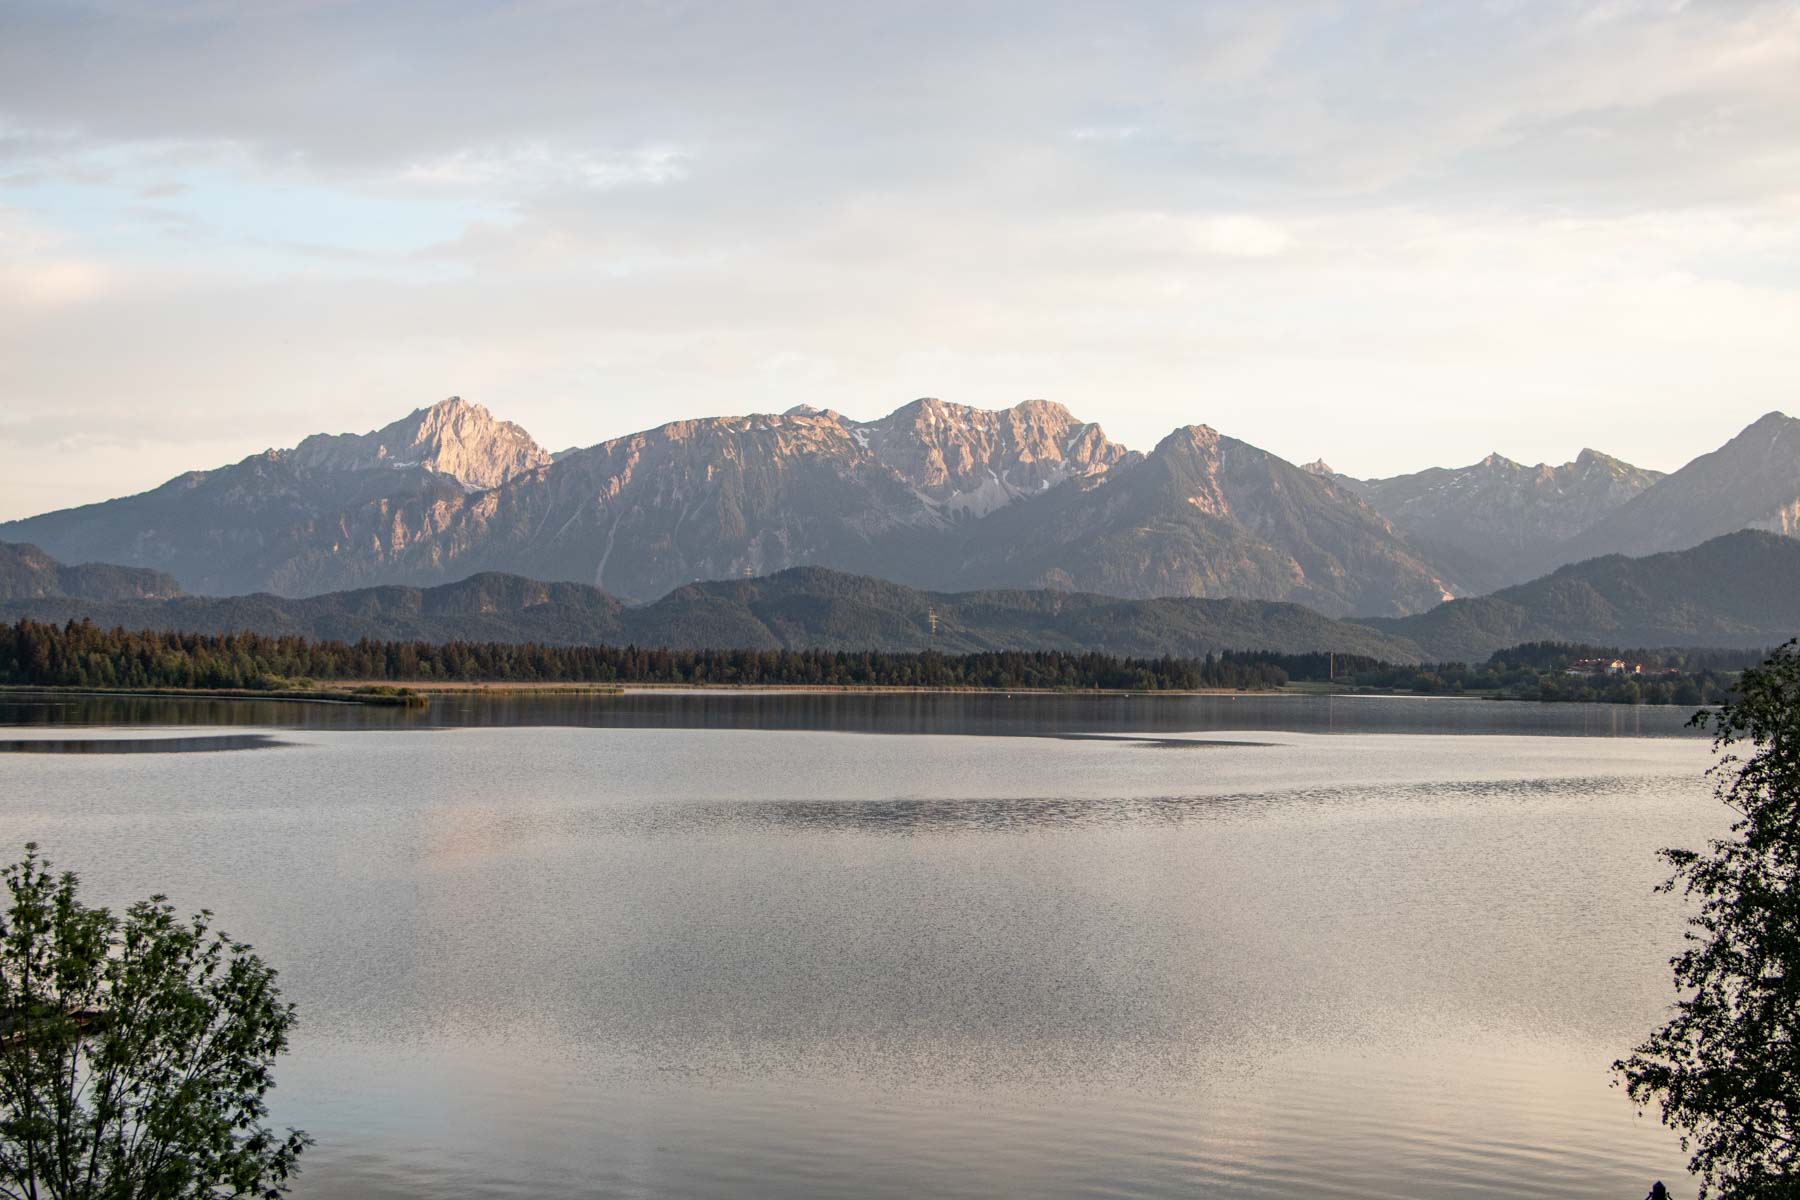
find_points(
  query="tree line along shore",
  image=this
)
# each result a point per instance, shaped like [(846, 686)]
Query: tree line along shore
[(83, 655)]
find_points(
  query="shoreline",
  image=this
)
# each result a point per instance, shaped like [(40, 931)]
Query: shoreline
[(503, 688), (396, 698), (402, 693), (418, 695)]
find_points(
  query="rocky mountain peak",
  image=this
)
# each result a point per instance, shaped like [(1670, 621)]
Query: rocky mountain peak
[(1772, 429), (1321, 468), (453, 437), (809, 410), (974, 460), (1188, 438), (1044, 410), (1595, 464), (1751, 482), (1497, 519)]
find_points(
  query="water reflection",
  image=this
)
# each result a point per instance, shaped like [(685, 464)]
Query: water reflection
[(667, 961), (911, 713), (1156, 743), (200, 744)]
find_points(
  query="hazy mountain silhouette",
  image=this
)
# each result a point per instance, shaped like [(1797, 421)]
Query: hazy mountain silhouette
[(800, 607)]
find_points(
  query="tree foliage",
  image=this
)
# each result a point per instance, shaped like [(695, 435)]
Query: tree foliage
[(1725, 1069), (82, 654), (1685, 676), (135, 1051)]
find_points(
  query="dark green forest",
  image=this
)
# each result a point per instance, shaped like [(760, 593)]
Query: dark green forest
[(1541, 671), (82, 654)]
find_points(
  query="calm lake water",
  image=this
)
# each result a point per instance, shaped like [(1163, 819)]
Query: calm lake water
[(777, 946)]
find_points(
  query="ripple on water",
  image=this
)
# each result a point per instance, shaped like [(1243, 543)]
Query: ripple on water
[(665, 962)]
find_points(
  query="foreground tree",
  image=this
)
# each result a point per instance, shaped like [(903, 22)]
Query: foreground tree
[(1725, 1070), (135, 1052)]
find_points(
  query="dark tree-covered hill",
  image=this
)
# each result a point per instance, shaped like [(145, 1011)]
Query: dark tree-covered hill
[(1742, 589), (805, 607)]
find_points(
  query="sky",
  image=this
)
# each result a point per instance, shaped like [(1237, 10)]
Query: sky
[(1392, 234)]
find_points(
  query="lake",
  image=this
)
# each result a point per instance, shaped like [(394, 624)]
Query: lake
[(891, 946)]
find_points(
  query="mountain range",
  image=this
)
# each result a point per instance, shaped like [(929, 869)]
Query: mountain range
[(1499, 521), (932, 495), (935, 496)]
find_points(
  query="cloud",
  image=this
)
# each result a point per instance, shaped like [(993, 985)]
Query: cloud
[(1231, 235), (537, 166), (1397, 233), (37, 273), (54, 284)]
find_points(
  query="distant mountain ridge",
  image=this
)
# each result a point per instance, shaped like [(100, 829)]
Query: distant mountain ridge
[(1738, 590), (933, 494), (803, 607), (1207, 515), (281, 518), (1751, 482), (27, 573), (811, 606), (1496, 521)]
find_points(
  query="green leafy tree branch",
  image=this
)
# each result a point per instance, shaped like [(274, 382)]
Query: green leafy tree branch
[(135, 1051), (1725, 1069)]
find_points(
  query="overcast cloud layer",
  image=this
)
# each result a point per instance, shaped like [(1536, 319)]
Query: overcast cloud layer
[(1397, 234)]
